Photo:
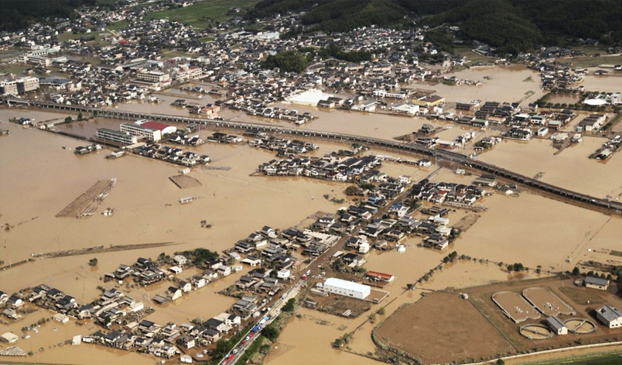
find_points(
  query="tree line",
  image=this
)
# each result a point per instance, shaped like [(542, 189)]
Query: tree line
[(512, 26), (19, 14)]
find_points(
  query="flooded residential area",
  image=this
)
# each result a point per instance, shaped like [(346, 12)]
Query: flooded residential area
[(246, 191)]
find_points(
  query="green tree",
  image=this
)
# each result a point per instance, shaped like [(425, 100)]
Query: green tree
[(338, 265), (500, 362), (368, 186), (271, 333), (290, 305), (576, 271), (80, 116), (286, 61), (338, 342), (510, 268), (381, 311), (68, 119), (353, 190)]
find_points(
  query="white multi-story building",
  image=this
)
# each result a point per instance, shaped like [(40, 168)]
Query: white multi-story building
[(8, 88), (27, 84), (184, 73), (110, 135), (141, 131), (153, 76), (347, 288)]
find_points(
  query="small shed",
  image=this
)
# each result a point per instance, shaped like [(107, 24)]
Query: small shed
[(557, 325)]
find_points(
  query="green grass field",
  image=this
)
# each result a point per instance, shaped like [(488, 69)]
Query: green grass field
[(608, 358), (118, 25), (587, 61), (98, 37), (201, 13)]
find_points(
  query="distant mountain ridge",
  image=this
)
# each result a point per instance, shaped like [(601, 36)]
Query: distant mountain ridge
[(510, 25)]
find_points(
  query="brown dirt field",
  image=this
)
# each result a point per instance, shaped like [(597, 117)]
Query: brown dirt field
[(440, 328), (184, 181), (467, 222), (515, 306), (88, 202), (547, 302), (581, 296)]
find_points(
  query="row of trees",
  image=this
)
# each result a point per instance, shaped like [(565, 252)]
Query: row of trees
[(617, 271), (352, 56), (516, 267)]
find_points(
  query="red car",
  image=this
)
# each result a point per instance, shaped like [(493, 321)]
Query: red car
[(252, 334)]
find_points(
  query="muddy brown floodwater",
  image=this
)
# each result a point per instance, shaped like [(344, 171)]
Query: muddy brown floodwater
[(39, 178), (505, 84)]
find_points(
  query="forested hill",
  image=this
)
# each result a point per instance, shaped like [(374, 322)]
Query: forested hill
[(335, 15), (512, 25), (18, 14)]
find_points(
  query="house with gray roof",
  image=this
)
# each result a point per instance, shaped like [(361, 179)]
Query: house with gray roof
[(609, 316), (596, 283)]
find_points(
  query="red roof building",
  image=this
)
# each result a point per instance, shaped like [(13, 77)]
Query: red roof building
[(164, 128), (378, 276)]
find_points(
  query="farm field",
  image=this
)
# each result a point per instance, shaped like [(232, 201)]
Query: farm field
[(440, 328), (201, 13)]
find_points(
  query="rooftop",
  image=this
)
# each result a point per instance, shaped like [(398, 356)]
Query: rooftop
[(596, 281), (609, 313), (348, 285)]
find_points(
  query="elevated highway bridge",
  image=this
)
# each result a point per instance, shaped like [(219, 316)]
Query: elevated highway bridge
[(450, 156)]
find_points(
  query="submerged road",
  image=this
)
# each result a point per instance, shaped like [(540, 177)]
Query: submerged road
[(449, 156)]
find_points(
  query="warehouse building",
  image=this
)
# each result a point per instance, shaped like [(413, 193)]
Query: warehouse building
[(309, 98), (346, 288)]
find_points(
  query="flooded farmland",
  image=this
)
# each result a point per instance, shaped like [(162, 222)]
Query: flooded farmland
[(538, 157), (39, 178), (525, 85)]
